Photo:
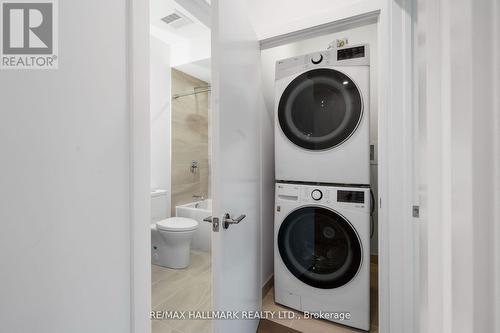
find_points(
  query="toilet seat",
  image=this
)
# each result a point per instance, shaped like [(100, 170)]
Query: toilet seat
[(177, 224)]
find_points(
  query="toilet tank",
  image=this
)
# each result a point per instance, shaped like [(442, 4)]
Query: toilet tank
[(159, 205)]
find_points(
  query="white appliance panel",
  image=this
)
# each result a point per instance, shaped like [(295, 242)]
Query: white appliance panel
[(305, 149), (352, 297)]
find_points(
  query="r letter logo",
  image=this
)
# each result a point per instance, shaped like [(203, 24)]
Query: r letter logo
[(29, 34)]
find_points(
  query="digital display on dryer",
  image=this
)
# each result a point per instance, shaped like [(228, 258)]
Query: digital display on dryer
[(351, 53), (351, 196)]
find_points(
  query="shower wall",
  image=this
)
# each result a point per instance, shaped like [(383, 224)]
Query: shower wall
[(189, 140)]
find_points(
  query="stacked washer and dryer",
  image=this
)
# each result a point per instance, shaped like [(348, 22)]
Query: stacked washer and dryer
[(322, 202)]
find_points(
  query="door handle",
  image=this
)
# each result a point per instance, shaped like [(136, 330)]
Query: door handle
[(228, 220), (214, 221)]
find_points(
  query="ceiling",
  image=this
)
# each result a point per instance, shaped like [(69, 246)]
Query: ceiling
[(271, 18), (161, 8), (188, 43), (199, 69)]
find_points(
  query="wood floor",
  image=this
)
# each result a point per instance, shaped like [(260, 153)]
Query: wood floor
[(267, 326), (187, 289)]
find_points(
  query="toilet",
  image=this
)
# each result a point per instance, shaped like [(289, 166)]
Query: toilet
[(170, 236)]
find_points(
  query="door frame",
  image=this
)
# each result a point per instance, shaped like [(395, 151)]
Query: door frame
[(140, 164), (397, 127)]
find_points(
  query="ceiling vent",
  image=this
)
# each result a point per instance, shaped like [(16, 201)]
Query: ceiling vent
[(176, 20)]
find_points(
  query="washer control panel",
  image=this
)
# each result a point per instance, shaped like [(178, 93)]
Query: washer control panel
[(356, 197), (315, 194)]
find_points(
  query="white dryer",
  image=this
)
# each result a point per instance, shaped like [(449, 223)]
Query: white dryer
[(322, 117), (321, 251)]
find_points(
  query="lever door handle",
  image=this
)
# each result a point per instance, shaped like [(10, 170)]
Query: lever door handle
[(228, 220)]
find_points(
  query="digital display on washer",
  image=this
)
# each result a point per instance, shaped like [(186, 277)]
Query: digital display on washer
[(351, 196), (351, 53)]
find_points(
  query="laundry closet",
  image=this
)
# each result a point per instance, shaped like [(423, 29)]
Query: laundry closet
[(322, 94)]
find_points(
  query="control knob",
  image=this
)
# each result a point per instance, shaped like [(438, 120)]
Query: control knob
[(316, 194), (316, 59)]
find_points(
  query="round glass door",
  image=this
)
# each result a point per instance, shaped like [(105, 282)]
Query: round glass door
[(319, 247), (320, 109)]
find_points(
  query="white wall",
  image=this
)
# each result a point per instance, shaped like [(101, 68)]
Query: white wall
[(160, 89), (185, 49), (201, 69), (64, 198), (278, 17), (365, 34)]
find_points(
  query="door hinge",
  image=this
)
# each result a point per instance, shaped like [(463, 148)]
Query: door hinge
[(416, 211)]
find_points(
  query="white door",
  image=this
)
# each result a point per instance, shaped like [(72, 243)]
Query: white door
[(237, 104)]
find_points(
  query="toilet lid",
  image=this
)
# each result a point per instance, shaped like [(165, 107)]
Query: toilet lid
[(177, 224)]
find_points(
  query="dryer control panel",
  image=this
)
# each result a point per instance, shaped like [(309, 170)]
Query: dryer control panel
[(356, 55), (325, 195)]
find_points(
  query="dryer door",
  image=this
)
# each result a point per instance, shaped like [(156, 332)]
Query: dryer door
[(320, 247), (320, 109)]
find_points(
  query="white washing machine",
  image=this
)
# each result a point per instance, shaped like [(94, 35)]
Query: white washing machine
[(321, 251), (322, 117)]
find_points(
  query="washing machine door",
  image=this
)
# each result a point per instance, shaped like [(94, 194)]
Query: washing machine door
[(320, 109), (320, 247)]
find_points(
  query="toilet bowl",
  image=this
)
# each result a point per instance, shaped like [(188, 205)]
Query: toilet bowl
[(171, 241)]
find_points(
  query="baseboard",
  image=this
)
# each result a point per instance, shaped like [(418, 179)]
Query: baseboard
[(267, 286), (374, 258)]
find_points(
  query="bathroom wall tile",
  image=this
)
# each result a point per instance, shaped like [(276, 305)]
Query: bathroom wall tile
[(189, 140), (182, 174), (197, 152), (206, 304), (183, 193), (197, 124), (185, 159), (205, 174), (186, 141)]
